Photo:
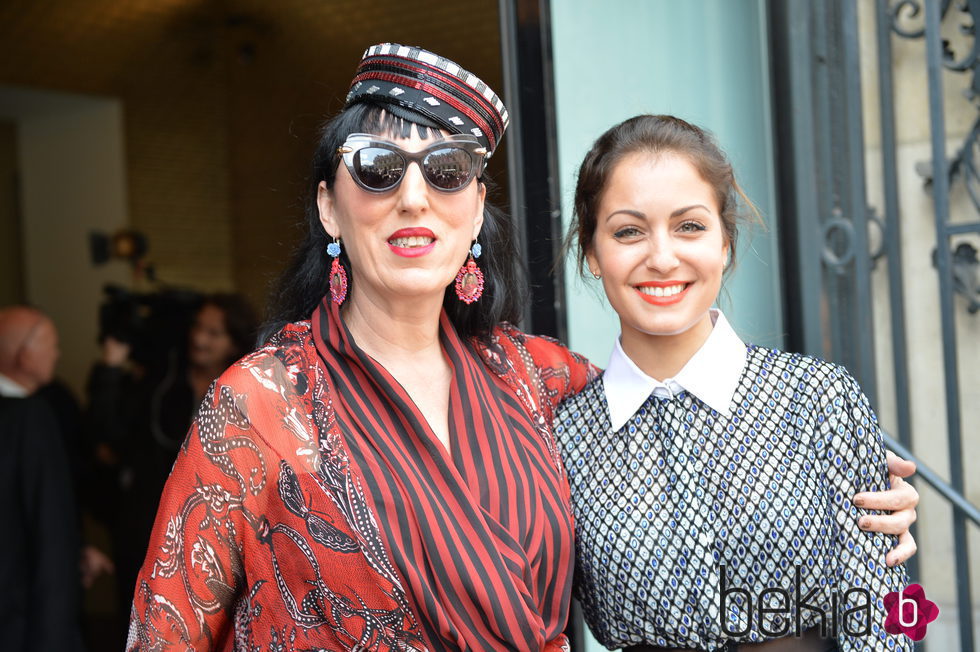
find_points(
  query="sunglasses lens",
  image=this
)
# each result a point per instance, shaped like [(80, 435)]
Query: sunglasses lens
[(378, 168), (448, 168)]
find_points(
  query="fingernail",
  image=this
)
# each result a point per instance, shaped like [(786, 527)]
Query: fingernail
[(859, 502), (863, 524)]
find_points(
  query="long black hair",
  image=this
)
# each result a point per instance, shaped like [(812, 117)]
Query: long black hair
[(303, 284)]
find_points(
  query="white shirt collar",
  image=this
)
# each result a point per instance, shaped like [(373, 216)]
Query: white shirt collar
[(712, 375), (11, 389)]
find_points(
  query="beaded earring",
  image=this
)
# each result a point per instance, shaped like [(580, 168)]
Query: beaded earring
[(469, 281), (338, 275)]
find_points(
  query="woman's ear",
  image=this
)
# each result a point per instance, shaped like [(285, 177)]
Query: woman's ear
[(325, 204), (593, 263), (480, 202)]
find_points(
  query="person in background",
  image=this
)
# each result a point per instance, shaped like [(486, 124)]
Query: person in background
[(711, 480), (39, 552), (138, 417)]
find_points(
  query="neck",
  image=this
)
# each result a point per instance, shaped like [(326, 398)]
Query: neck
[(385, 329), (663, 356)]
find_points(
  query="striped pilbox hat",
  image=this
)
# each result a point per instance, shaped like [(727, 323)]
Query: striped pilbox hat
[(413, 80)]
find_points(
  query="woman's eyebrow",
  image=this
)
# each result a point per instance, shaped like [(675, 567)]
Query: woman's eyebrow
[(681, 211), (641, 215), (628, 211)]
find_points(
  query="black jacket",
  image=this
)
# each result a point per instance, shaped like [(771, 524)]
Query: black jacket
[(39, 576)]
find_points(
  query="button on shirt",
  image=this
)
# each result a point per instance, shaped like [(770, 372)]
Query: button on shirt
[(695, 495)]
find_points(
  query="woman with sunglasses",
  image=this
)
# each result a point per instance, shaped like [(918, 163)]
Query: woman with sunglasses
[(380, 475), (711, 480)]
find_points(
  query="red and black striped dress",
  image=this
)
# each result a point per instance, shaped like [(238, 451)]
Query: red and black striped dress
[(312, 507)]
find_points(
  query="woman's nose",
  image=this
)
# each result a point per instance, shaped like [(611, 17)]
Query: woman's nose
[(661, 254), (413, 192)]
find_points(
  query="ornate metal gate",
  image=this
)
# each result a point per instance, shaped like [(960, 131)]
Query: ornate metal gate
[(849, 198)]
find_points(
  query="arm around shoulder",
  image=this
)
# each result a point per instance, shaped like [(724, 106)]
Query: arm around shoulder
[(563, 371)]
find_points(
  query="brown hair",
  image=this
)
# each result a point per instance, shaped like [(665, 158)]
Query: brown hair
[(655, 134), (240, 321)]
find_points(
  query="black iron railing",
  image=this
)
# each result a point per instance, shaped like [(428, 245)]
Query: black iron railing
[(825, 219)]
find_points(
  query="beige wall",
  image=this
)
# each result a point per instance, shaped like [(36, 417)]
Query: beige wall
[(11, 273), (81, 139), (220, 103), (921, 295)]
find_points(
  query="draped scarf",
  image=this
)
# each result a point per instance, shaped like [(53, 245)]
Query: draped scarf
[(480, 535)]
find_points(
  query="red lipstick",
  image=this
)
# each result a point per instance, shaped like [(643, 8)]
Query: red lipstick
[(412, 232)]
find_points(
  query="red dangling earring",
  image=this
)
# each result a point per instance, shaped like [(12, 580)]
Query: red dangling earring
[(469, 281), (338, 275)]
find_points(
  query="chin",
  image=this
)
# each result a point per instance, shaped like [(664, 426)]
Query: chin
[(419, 286), (669, 327)]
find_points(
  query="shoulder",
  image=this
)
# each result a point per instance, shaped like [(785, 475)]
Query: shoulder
[(29, 429), (581, 413), (287, 353), (803, 371), (827, 389), (591, 397), (28, 413), (532, 362), (540, 350), (277, 381)]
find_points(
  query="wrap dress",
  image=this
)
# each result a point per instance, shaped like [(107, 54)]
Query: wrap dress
[(311, 507)]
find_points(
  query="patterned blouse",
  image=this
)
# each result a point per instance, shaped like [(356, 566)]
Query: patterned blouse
[(312, 508), (689, 519)]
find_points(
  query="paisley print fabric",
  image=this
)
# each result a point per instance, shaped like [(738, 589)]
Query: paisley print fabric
[(280, 529)]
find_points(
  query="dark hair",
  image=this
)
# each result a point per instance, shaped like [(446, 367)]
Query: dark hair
[(305, 281), (655, 134), (240, 320)]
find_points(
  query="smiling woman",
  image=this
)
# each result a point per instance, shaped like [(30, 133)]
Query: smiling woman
[(381, 474), (670, 253), (710, 479)]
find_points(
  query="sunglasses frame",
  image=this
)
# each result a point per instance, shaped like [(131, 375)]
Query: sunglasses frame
[(469, 144)]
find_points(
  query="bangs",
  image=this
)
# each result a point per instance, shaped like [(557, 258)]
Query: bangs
[(376, 120)]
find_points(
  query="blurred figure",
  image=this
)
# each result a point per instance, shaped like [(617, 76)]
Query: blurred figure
[(138, 418), (39, 576)]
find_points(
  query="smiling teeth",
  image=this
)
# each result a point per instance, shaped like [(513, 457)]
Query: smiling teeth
[(668, 291), (414, 241)]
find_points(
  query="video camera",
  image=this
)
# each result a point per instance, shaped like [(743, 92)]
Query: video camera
[(153, 324)]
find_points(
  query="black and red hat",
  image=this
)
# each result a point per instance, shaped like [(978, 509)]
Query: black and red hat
[(409, 80)]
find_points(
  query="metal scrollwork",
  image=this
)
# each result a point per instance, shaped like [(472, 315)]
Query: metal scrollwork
[(967, 10), (965, 164), (840, 232), (970, 8), (878, 251), (912, 8)]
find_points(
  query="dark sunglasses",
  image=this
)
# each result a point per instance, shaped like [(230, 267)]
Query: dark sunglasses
[(379, 165)]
